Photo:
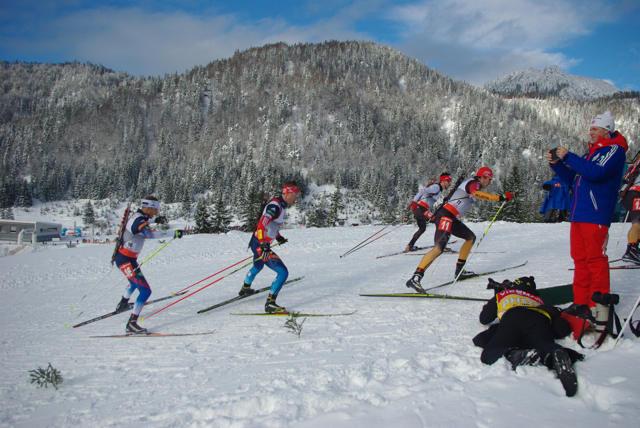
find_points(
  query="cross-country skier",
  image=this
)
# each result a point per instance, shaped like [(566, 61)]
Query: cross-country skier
[(631, 202), (268, 230), (423, 202), (447, 220), (526, 331), (595, 178), (136, 231)]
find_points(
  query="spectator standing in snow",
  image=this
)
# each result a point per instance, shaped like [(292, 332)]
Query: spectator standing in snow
[(557, 199), (595, 178)]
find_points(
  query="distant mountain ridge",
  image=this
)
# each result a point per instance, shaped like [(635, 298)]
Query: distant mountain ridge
[(551, 81)]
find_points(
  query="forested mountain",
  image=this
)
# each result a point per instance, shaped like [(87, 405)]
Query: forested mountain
[(359, 115), (551, 81)]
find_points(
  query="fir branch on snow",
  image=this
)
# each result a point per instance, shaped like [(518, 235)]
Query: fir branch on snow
[(44, 377), (292, 323)]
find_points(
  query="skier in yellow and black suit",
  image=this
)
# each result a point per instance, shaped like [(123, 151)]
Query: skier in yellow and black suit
[(447, 220), (526, 331)]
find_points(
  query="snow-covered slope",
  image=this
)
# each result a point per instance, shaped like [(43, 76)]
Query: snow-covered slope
[(394, 363), (551, 80)]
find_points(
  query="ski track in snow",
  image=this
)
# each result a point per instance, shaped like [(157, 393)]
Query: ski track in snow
[(395, 362)]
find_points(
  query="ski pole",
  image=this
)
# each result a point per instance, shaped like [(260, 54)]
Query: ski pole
[(220, 271), (211, 283), (95, 301), (356, 247), (228, 267), (362, 246), (468, 258), (110, 270), (627, 321), (620, 237)]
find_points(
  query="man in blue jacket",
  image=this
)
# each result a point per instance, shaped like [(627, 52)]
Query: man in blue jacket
[(595, 178)]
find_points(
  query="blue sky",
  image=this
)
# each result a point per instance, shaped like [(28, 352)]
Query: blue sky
[(470, 40)]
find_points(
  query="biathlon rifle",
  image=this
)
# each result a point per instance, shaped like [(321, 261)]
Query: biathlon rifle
[(119, 238), (455, 186), (263, 204)]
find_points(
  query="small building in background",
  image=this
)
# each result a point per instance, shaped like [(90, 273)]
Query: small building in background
[(43, 231)]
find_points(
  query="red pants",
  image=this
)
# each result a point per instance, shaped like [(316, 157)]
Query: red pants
[(588, 251)]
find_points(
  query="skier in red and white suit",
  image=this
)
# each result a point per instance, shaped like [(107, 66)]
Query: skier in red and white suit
[(422, 204), (447, 220)]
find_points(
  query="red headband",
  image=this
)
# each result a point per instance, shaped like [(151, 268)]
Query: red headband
[(291, 189), (445, 178)]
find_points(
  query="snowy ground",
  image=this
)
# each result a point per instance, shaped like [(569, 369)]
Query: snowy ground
[(395, 362)]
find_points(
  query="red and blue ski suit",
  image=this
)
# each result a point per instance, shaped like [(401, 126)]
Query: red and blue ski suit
[(136, 231), (595, 178), (268, 229)]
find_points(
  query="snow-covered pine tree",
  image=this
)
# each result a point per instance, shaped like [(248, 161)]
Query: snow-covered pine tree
[(220, 217), (335, 207), (202, 217), (250, 210), (88, 215), (514, 211)]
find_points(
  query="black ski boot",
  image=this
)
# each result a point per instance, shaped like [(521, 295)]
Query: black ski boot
[(461, 273), (414, 282), (522, 357), (410, 248), (133, 327), (580, 311), (564, 370), (271, 307), (633, 254), (123, 305), (246, 290)]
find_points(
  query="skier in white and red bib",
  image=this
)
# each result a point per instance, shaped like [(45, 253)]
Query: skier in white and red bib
[(447, 220), (422, 204), (136, 231)]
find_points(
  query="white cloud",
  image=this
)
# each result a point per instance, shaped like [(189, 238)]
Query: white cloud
[(479, 40), (143, 43)]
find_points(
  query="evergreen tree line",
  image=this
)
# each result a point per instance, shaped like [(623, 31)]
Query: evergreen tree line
[(357, 115)]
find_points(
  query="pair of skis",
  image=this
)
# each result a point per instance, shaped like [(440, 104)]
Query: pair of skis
[(279, 314), (429, 295), (417, 249), (129, 307)]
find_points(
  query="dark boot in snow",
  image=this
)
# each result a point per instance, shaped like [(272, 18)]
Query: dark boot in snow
[(133, 327), (246, 290), (123, 305), (414, 282)]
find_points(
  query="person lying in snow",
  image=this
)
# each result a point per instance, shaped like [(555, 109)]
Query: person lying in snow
[(526, 331)]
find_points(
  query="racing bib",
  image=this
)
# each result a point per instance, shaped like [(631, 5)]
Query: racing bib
[(445, 224)]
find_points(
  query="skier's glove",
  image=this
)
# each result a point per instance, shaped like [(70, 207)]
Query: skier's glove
[(264, 251), (414, 206), (506, 197), (178, 234), (161, 220), (281, 239)]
